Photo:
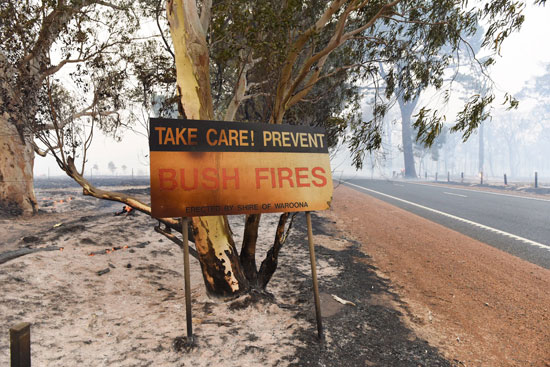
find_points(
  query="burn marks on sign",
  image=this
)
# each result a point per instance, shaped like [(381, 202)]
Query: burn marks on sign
[(205, 168)]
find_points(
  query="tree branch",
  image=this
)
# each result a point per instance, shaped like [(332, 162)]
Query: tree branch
[(52, 25), (109, 5), (286, 96), (240, 89), (206, 12), (166, 233), (43, 153), (86, 146), (89, 55), (296, 49), (55, 68), (166, 44), (269, 265), (90, 190), (408, 21)]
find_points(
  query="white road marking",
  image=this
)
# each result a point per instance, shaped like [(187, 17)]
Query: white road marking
[(479, 225), (450, 193), (481, 191)]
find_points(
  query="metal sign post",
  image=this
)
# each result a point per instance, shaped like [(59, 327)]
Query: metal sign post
[(314, 276), (188, 317)]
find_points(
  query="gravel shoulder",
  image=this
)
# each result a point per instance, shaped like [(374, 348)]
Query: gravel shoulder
[(480, 306)]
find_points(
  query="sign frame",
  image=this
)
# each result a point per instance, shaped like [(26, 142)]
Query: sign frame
[(200, 138), (201, 168)]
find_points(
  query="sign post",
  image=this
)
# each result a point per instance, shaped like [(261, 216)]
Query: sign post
[(203, 168), (187, 276), (314, 276)]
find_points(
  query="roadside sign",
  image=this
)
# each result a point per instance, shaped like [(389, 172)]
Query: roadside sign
[(201, 168)]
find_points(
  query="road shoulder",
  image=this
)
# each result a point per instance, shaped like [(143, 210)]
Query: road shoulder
[(477, 304)]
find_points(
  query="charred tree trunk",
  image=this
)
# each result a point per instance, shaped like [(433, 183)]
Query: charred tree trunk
[(269, 265), (16, 171), (248, 249), (221, 269)]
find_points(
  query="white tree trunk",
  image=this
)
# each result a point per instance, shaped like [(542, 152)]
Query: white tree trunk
[(16, 172), (218, 256)]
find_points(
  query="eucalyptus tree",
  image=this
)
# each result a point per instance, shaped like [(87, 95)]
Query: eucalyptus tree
[(411, 65), (521, 138), (253, 60), (281, 53), (112, 167), (39, 40)]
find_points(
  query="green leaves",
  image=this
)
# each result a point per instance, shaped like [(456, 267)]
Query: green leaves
[(475, 111), (511, 102), (428, 125), (417, 47)]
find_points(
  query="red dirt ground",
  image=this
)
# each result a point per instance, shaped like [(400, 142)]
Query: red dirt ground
[(479, 305)]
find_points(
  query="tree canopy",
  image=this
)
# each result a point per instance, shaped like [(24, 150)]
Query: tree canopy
[(305, 61), (295, 61)]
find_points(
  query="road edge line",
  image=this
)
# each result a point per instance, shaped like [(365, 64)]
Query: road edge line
[(479, 225), (480, 191)]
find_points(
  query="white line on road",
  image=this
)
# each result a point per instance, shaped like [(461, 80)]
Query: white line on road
[(450, 193), (480, 191), (479, 225)]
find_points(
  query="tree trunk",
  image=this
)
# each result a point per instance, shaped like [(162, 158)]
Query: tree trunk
[(269, 265), (511, 160), (407, 109), (390, 152), (248, 249), (481, 149), (222, 271), (16, 172)]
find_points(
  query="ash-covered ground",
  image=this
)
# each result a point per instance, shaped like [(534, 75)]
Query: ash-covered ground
[(109, 292)]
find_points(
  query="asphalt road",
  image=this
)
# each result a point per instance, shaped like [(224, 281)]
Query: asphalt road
[(518, 225)]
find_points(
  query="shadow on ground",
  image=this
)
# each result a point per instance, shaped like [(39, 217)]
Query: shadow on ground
[(368, 334)]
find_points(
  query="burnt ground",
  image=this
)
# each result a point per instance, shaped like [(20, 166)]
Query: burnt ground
[(276, 331), (371, 333), (63, 182)]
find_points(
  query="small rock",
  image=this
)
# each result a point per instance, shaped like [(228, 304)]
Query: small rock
[(104, 271), (30, 239)]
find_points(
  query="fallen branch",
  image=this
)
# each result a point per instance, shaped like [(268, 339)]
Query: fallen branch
[(10, 255), (342, 301), (176, 240)]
